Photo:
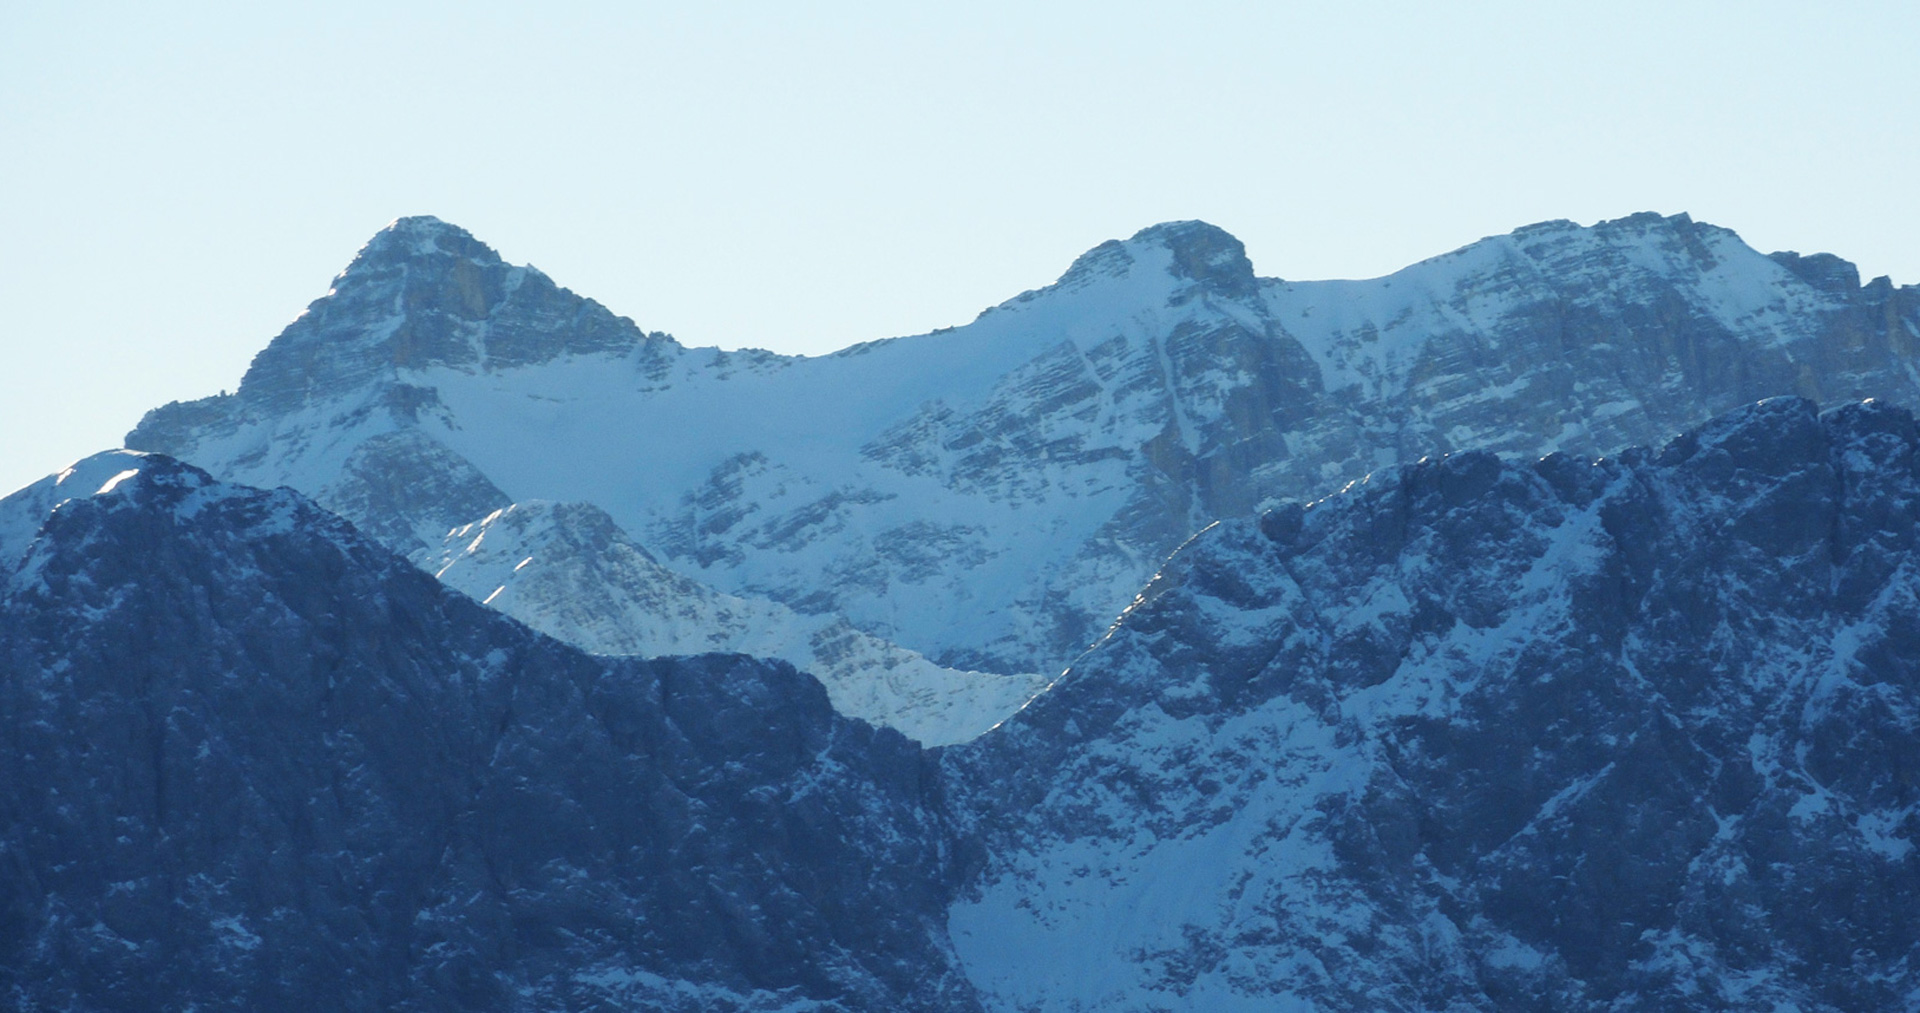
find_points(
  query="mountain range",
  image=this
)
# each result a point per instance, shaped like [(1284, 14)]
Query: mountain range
[(977, 504), (1445, 675)]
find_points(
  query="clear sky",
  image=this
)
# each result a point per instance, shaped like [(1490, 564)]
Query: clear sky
[(178, 180)]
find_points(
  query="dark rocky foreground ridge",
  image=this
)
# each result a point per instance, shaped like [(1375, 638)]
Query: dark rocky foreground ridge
[(252, 760), (1634, 734), (1557, 735)]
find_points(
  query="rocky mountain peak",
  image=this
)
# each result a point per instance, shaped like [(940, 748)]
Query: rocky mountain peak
[(1642, 229), (1652, 222), (423, 236), (421, 264), (1003, 490), (121, 473), (22, 513), (421, 294), (435, 266), (1823, 271), (1201, 253), (1703, 242), (1204, 253)]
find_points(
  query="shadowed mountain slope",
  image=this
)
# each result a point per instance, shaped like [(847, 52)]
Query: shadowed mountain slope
[(1629, 735), (254, 760)]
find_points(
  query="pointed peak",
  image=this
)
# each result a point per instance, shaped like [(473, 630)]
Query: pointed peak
[(423, 236), (100, 473), (1188, 234), (124, 476), (1204, 253), (424, 227), (107, 473), (1201, 252)]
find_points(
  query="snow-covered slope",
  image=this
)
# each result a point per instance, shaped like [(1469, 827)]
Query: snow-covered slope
[(23, 512), (567, 570), (991, 495), (1629, 735)]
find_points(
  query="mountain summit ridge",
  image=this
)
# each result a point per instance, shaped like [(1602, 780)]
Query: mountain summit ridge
[(990, 496), (1202, 252), (419, 237)]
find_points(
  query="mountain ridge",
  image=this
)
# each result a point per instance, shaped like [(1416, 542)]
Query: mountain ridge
[(1562, 735), (255, 759), (1625, 734), (990, 496)]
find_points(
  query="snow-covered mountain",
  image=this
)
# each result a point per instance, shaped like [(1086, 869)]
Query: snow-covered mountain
[(1636, 734), (25, 511), (335, 407), (1556, 736), (253, 760), (990, 496)]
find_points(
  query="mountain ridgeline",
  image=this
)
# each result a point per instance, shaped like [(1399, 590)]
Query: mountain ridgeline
[(988, 497), (569, 668), (1628, 734), (254, 760)]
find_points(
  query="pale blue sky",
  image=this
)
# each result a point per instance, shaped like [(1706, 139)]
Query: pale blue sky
[(177, 184)]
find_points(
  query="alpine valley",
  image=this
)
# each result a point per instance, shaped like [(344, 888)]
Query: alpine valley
[(1534, 629)]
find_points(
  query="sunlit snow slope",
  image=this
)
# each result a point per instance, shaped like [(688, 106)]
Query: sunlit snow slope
[(566, 569), (990, 496)]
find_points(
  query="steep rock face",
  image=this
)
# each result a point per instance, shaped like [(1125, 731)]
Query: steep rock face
[(447, 300), (1631, 734), (253, 760), (991, 495), (421, 294), (1590, 340)]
